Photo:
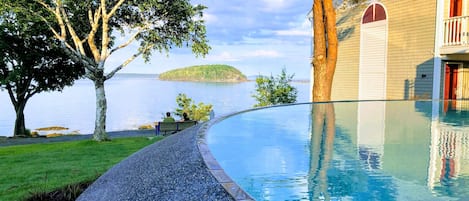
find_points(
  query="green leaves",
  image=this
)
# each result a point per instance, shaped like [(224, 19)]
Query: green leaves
[(164, 25), (196, 112), (274, 90), (30, 60)]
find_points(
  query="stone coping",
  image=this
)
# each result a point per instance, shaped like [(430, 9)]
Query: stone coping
[(215, 169)]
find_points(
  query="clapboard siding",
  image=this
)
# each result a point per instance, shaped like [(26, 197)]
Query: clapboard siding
[(345, 83), (411, 35), (411, 29)]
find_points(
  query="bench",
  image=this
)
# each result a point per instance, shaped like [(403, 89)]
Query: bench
[(173, 127)]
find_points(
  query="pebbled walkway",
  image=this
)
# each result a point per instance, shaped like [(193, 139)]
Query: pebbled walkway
[(170, 169)]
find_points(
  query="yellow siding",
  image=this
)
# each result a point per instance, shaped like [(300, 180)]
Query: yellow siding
[(345, 84), (411, 35)]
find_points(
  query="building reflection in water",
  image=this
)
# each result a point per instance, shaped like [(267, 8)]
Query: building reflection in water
[(449, 152), (389, 151), (345, 168)]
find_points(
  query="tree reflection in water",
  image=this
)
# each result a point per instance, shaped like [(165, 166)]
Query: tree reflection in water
[(322, 143), (333, 178)]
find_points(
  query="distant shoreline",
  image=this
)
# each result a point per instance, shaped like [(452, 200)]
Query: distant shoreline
[(249, 78)]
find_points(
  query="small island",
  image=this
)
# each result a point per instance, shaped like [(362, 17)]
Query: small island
[(205, 73)]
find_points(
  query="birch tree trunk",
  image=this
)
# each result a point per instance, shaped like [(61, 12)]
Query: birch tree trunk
[(101, 108)]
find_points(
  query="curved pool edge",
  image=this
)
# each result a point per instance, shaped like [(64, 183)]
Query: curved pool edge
[(212, 164), (214, 167)]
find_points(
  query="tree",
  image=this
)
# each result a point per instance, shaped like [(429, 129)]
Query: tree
[(274, 90), (30, 62), (87, 31), (325, 49), (196, 112)]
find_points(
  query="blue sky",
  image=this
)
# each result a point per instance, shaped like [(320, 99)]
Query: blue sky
[(256, 36)]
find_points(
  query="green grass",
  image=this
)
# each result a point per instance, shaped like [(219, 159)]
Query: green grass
[(25, 169)]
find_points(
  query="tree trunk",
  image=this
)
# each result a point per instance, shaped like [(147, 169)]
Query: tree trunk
[(322, 147), (325, 49), (20, 127), (101, 107)]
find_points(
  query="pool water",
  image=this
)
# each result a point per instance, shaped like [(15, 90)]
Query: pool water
[(375, 150)]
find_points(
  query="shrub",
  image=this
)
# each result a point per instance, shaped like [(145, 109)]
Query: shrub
[(196, 112), (274, 90)]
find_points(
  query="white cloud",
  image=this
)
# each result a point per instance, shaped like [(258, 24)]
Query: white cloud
[(274, 5), (299, 29), (264, 53), (223, 56), (209, 18), (293, 32)]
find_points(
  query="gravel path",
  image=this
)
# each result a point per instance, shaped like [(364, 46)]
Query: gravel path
[(170, 169)]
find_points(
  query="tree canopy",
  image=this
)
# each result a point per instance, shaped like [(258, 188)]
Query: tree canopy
[(92, 30), (30, 61), (275, 90)]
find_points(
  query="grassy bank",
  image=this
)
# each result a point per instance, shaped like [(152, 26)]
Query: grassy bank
[(44, 167)]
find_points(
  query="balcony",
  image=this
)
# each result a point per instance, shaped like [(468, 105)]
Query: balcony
[(456, 35)]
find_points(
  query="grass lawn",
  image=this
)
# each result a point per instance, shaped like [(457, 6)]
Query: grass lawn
[(44, 167)]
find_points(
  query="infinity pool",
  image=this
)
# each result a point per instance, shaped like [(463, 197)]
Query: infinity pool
[(377, 150)]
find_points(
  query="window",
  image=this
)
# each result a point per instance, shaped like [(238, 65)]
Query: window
[(373, 13), (455, 8)]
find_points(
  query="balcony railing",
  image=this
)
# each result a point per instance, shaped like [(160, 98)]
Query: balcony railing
[(456, 31)]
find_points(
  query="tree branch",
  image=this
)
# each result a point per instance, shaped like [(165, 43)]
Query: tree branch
[(55, 11), (78, 57), (123, 45), (114, 9), (32, 94), (105, 27), (126, 62), (94, 22), (11, 94), (75, 38)]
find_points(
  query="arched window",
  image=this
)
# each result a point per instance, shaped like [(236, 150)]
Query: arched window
[(373, 45), (373, 13)]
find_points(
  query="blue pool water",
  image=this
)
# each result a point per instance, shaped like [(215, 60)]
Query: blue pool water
[(395, 150)]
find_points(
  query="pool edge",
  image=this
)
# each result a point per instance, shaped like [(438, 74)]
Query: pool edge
[(214, 167)]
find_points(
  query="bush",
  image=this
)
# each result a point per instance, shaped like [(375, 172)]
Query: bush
[(275, 90), (196, 112)]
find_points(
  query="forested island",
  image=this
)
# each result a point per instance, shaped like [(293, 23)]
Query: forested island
[(205, 73)]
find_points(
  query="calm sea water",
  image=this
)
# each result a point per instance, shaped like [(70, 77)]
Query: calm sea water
[(133, 100), (398, 150)]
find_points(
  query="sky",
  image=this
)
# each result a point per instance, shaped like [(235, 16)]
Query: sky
[(258, 37)]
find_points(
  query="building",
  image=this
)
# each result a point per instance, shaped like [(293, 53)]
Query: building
[(403, 49)]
